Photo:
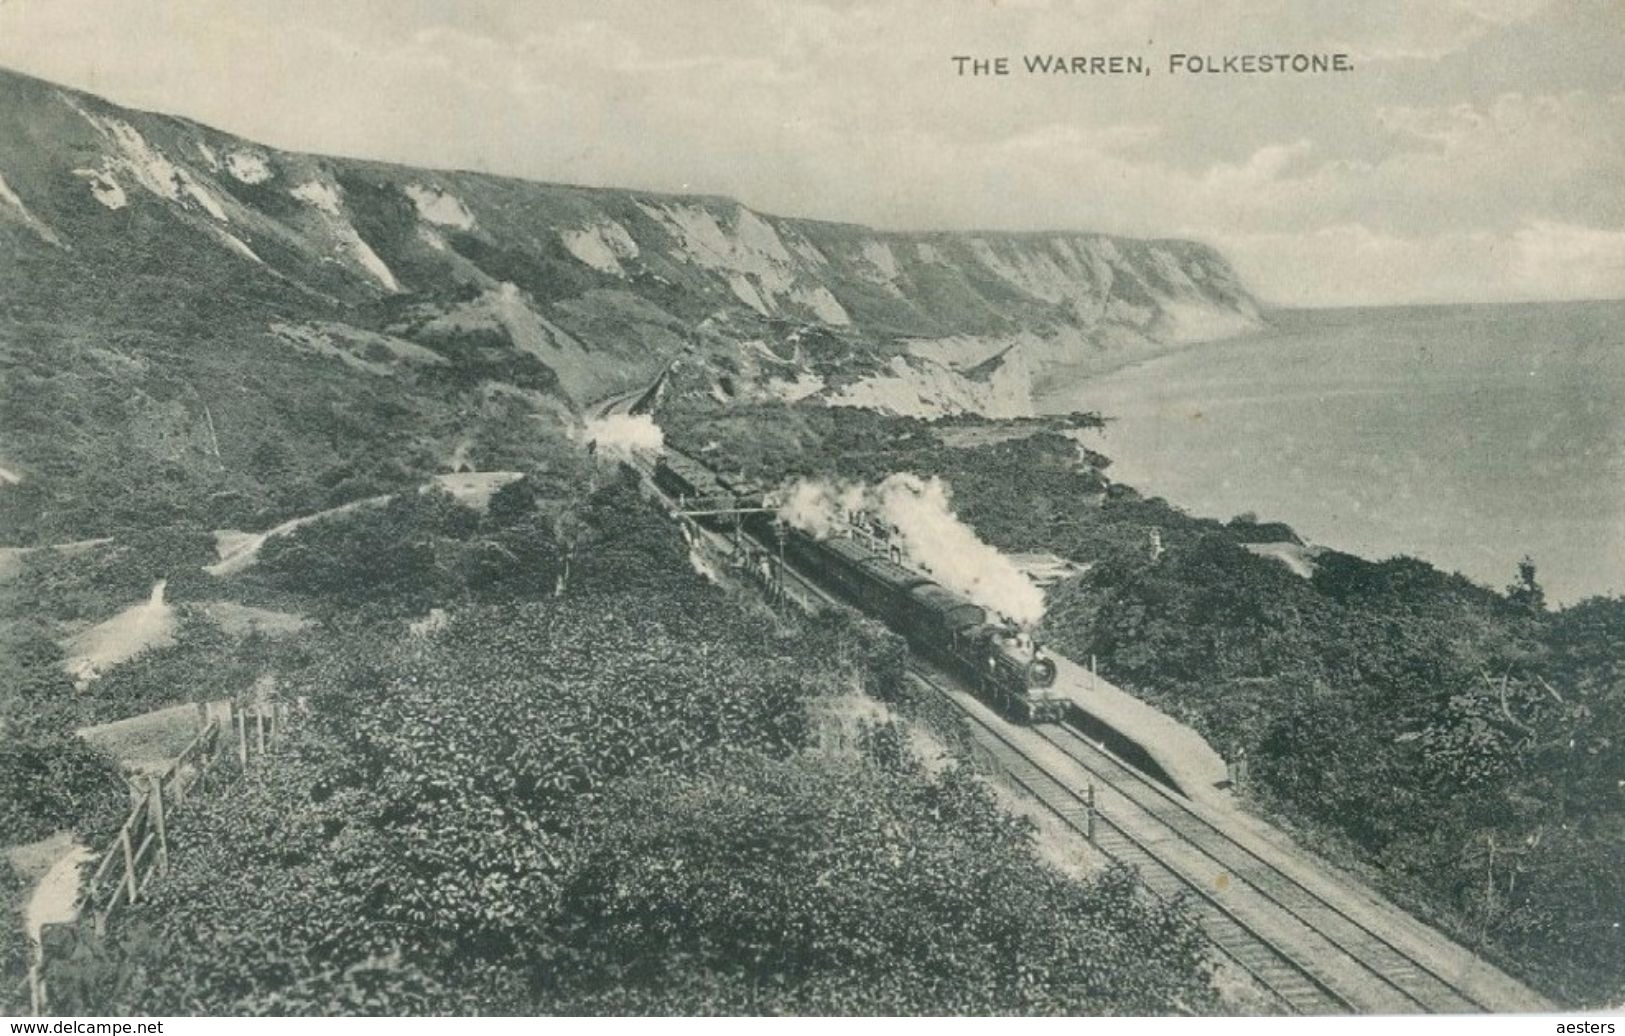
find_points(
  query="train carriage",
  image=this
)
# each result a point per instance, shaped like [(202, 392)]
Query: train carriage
[(851, 568), (685, 478)]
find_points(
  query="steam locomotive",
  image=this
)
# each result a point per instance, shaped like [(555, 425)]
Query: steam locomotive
[(1007, 666)]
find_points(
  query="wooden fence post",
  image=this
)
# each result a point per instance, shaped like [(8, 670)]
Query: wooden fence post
[(129, 862), (1089, 815), (156, 813), (202, 753)]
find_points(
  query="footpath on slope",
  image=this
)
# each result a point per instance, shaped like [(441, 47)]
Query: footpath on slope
[(240, 550)]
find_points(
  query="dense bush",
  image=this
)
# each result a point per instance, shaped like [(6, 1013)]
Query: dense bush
[(36, 696), (410, 548), (203, 664), (16, 951), (425, 549), (753, 886), (54, 783), (93, 584), (1408, 714)]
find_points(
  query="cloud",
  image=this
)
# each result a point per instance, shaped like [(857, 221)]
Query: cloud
[(1430, 31), (1270, 164), (1559, 259), (1351, 264)]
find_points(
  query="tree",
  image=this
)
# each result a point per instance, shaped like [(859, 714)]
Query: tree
[(512, 503), (1526, 593)]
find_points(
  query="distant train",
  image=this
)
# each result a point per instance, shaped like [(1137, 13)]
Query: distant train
[(1008, 668)]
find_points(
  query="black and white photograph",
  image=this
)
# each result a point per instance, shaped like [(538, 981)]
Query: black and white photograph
[(800, 508)]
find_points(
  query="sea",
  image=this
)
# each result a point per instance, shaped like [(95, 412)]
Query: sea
[(1469, 436)]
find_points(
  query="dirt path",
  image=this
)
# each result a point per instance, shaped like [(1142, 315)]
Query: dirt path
[(55, 896), (240, 550), (135, 629)]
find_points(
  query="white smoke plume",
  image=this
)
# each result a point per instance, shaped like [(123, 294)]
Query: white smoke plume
[(931, 537), (818, 508), (625, 436)]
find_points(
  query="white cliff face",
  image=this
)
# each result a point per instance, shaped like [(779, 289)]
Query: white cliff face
[(966, 350), (602, 246), (349, 245), (823, 304), (880, 265), (440, 208), (1062, 306), (752, 258), (1186, 322), (149, 166), (1081, 304), (919, 386), (248, 166), (1044, 273), (322, 196), (238, 246), (104, 187)]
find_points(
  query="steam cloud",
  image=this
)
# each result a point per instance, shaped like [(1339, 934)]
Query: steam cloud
[(930, 536), (624, 436)]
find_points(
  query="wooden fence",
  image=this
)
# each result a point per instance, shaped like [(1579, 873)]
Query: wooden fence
[(138, 854)]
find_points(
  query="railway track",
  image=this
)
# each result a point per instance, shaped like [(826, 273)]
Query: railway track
[(1374, 953), (1312, 955)]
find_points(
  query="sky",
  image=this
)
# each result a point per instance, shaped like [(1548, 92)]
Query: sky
[(1475, 152)]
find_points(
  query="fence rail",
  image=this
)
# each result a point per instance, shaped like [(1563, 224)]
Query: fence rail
[(138, 853)]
